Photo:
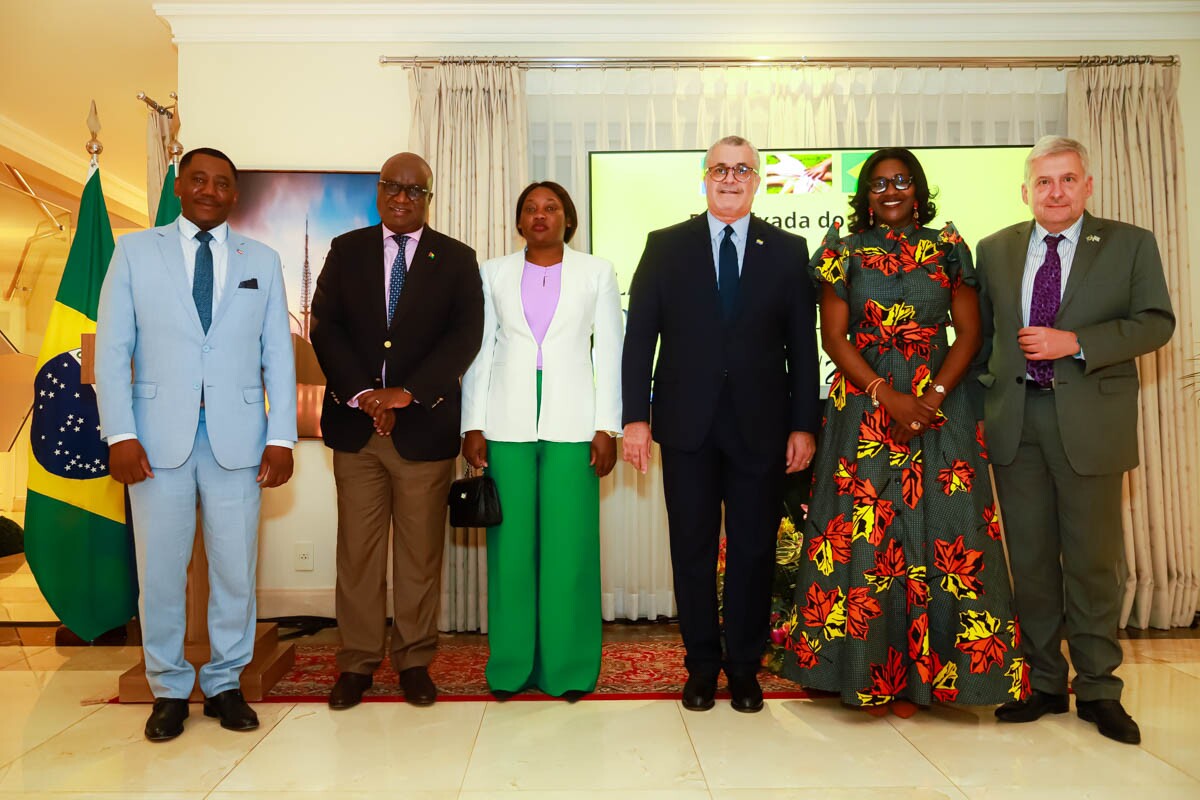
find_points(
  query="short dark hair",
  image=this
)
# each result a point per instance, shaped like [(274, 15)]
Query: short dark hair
[(568, 205), (860, 205), (207, 151)]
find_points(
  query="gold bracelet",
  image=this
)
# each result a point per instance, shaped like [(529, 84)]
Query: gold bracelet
[(872, 387)]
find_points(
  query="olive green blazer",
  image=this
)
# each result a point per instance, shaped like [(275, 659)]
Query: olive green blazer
[(1117, 304)]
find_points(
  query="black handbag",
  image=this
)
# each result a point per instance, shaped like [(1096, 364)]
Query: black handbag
[(474, 502)]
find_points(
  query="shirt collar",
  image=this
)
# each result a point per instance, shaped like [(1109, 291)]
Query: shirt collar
[(414, 236), (716, 228), (189, 229), (1071, 234)]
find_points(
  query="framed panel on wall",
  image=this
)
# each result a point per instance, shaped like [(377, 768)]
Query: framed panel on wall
[(298, 214)]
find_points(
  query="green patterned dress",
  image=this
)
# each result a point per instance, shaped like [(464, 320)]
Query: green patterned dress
[(901, 585)]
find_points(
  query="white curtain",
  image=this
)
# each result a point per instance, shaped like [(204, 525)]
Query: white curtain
[(572, 112), (1128, 117), (469, 123)]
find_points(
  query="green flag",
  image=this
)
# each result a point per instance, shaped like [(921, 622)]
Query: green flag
[(77, 543), (168, 203)]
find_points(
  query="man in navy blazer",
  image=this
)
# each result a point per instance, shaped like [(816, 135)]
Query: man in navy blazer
[(201, 312), (397, 319), (727, 299)]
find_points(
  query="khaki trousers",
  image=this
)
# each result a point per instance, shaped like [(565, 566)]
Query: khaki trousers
[(379, 491)]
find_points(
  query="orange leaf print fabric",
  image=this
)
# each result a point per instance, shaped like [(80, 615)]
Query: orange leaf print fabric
[(831, 546), (887, 680), (861, 608), (961, 567), (980, 639), (958, 477)]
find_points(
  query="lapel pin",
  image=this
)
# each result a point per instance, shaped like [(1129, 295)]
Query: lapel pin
[(431, 256), (758, 241), (1093, 238), (240, 253)]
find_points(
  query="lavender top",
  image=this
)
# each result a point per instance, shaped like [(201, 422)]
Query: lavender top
[(540, 288)]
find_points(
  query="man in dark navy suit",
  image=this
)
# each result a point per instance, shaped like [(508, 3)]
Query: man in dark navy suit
[(726, 298)]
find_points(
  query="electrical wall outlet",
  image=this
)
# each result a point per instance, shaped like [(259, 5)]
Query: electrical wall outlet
[(303, 556)]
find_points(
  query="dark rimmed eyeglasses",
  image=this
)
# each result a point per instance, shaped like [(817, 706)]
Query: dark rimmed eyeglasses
[(879, 185), (412, 191), (741, 172)]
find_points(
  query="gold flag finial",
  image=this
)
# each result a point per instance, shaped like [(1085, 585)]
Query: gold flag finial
[(174, 148), (93, 145)]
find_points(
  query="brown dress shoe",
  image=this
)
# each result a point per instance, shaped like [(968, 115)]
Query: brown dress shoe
[(166, 720), (235, 713), (348, 691), (1036, 706), (1111, 718), (418, 686)]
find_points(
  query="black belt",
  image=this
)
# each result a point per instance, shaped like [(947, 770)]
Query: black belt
[(1034, 386)]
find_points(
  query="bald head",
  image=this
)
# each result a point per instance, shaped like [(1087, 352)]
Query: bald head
[(405, 188)]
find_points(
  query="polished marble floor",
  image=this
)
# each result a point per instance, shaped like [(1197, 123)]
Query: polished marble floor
[(59, 738)]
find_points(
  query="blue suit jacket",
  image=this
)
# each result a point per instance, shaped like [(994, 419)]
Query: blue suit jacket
[(147, 314)]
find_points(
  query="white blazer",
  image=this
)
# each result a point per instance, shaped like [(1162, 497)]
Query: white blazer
[(581, 356)]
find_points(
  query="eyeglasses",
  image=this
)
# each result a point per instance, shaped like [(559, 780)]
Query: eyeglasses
[(741, 173), (879, 185), (411, 190)]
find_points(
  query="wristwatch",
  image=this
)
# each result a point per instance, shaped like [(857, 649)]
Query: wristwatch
[(937, 387)]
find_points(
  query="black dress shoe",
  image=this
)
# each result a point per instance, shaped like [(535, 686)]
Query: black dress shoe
[(1110, 717), (502, 695), (574, 695), (166, 720), (699, 693), (745, 693), (1036, 706), (348, 691), (418, 686), (235, 713)]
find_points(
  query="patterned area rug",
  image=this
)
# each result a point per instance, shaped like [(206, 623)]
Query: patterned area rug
[(629, 670)]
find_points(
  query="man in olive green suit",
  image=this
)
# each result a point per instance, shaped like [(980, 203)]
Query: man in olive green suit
[(1068, 302)]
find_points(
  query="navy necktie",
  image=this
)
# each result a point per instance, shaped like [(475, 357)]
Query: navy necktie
[(1043, 307), (727, 274), (202, 280), (399, 273)]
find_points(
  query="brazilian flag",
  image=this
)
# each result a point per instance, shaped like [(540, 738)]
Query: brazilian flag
[(77, 543)]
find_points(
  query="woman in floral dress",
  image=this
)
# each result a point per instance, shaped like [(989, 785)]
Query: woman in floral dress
[(902, 595)]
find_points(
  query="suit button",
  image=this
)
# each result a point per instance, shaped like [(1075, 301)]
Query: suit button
[(195, 386), (1020, 380), (206, 348), (387, 344)]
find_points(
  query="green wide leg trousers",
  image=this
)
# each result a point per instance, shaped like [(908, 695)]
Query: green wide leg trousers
[(544, 568)]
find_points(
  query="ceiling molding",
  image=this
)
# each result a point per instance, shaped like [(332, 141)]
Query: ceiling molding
[(680, 23), (123, 197)]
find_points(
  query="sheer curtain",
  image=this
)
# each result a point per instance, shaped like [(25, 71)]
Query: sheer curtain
[(469, 122), (572, 112), (1128, 117)]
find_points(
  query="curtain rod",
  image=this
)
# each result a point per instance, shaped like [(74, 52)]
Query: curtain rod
[(589, 62)]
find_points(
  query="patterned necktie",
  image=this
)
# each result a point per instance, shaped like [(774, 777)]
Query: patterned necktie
[(202, 280), (727, 274), (399, 270), (1043, 308)]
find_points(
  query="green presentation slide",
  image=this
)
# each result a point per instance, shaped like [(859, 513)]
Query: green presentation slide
[(802, 191)]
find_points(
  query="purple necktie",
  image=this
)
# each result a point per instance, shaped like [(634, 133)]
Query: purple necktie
[(1043, 308)]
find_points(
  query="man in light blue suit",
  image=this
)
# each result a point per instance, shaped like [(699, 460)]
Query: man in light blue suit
[(201, 312)]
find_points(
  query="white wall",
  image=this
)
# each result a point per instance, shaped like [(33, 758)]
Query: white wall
[(320, 105)]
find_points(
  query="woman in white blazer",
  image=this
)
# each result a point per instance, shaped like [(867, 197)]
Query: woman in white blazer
[(541, 403)]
